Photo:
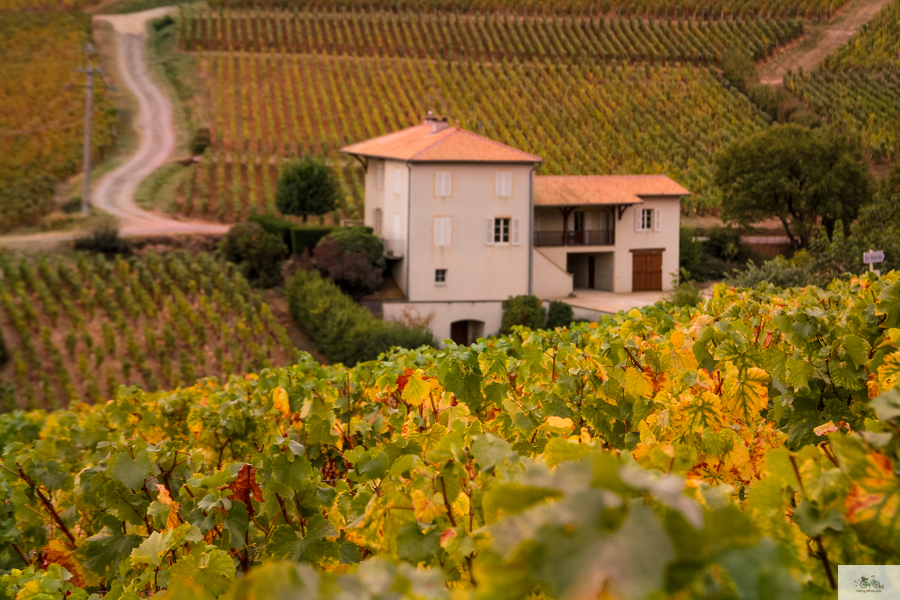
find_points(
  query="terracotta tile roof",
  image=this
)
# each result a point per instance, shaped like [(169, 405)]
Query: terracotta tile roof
[(451, 144), (575, 190)]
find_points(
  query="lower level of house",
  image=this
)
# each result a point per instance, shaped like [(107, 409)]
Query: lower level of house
[(462, 322)]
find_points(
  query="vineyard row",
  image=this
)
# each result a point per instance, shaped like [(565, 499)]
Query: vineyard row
[(483, 37)]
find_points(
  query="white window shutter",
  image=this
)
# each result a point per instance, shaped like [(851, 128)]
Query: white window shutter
[(443, 183), (397, 186), (448, 231), (437, 234), (489, 240), (657, 219), (638, 214), (503, 184), (516, 231), (448, 184)]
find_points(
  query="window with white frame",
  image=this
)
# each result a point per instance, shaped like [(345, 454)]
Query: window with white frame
[(443, 184), (503, 184), (503, 230), (440, 276), (647, 219), (443, 231), (398, 181)]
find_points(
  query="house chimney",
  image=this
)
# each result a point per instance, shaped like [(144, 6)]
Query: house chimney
[(437, 123)]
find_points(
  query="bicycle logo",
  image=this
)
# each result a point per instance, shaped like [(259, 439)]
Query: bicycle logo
[(868, 582)]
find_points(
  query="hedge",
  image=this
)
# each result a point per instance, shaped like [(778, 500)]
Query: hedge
[(343, 330), (306, 238), (280, 227)]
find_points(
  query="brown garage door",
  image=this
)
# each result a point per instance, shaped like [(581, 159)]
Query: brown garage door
[(647, 272)]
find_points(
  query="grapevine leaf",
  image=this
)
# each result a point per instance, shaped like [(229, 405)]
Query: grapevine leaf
[(559, 450), (286, 543), (857, 348), (210, 568), (513, 498), (131, 472), (281, 402), (416, 389), (102, 552), (798, 373), (812, 522), (293, 474), (490, 450), (887, 405), (760, 572), (414, 545), (373, 468), (746, 392)]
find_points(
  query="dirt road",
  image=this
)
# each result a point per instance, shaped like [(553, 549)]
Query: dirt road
[(822, 40), (114, 193)]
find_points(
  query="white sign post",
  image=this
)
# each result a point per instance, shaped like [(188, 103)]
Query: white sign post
[(872, 257)]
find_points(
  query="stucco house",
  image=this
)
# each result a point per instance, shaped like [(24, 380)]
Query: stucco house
[(466, 224)]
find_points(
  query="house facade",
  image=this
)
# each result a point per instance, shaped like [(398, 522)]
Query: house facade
[(466, 224)]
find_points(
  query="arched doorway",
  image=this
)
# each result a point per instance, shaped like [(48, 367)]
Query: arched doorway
[(467, 331)]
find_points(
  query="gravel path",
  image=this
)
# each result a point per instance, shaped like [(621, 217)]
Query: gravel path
[(114, 193), (823, 39)]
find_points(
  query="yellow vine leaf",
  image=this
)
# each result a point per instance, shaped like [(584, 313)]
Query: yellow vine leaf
[(281, 402), (416, 389), (745, 393), (172, 520), (425, 508), (57, 553)]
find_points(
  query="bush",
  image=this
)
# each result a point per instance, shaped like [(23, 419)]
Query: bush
[(690, 253), (560, 314), (258, 252), (352, 272), (25, 201), (71, 206), (726, 243), (104, 240), (685, 294), (343, 330), (280, 227), (522, 310), (202, 140), (307, 187), (359, 239), (799, 271), (306, 238)]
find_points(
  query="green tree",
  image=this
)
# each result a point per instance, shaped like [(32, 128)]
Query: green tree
[(798, 175), (307, 187)]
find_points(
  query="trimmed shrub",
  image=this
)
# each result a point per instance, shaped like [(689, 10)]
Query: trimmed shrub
[(353, 258), (690, 253), (280, 227), (306, 238), (352, 272), (726, 243), (359, 239), (522, 310), (559, 314), (343, 330), (258, 252)]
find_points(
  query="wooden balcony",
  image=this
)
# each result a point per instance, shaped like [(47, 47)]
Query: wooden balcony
[(585, 237)]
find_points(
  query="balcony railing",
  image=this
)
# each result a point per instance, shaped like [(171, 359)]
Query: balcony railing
[(596, 237), (394, 247)]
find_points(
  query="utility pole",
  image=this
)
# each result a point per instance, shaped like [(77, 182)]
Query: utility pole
[(89, 73)]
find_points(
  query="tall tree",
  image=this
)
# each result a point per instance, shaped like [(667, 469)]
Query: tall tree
[(804, 177), (307, 187)]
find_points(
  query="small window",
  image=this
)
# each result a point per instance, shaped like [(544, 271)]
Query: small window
[(440, 276), (443, 183), (443, 227), (503, 184), (501, 230), (646, 219)]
